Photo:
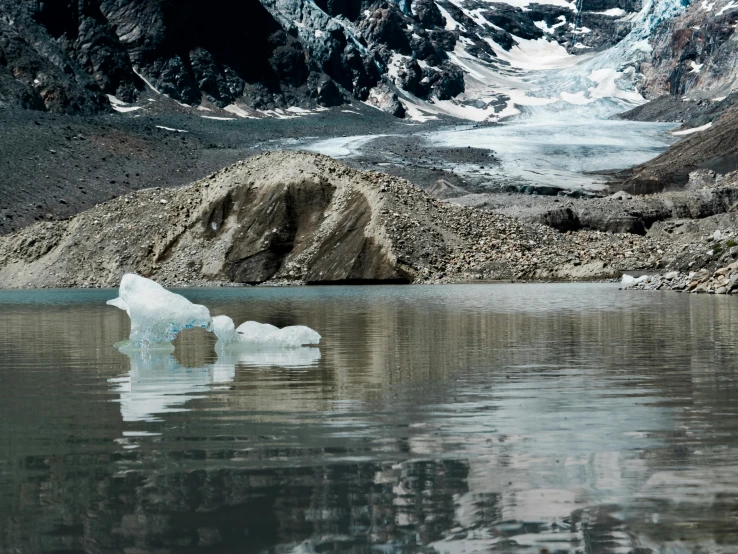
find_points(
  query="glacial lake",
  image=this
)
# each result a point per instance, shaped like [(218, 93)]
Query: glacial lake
[(459, 419)]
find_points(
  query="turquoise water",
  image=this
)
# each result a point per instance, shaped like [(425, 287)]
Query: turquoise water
[(470, 418)]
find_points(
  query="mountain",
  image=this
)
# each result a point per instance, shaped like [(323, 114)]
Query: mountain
[(256, 56)]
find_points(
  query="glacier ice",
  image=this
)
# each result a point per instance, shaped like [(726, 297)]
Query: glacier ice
[(157, 315), (262, 335), (629, 280)]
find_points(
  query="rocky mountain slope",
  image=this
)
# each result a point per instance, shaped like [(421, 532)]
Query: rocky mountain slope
[(695, 54), (691, 77), (257, 56), (290, 217)]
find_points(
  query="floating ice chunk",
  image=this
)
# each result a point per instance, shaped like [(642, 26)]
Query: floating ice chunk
[(629, 280), (262, 335), (157, 315)]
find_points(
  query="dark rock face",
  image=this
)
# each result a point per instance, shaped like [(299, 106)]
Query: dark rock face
[(428, 14), (514, 21), (36, 73), (278, 220), (623, 213), (714, 149), (187, 51), (694, 54)]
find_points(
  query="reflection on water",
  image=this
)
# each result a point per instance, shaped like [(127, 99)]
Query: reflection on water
[(505, 418), (157, 384)]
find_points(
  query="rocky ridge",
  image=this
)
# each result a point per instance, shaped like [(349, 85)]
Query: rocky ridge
[(712, 148), (620, 212), (295, 218)]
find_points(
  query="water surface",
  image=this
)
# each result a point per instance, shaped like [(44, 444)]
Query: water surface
[(479, 418)]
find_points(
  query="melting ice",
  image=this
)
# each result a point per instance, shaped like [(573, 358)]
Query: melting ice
[(262, 335), (158, 315)]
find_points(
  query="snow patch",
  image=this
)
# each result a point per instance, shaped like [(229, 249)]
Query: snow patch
[(535, 54), (613, 12), (414, 113), (451, 23), (171, 129), (120, 106), (237, 110), (523, 4), (728, 6), (145, 80), (218, 118), (340, 147), (692, 131)]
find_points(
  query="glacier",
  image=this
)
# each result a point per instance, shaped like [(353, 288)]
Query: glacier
[(557, 127), (541, 79), (158, 315), (606, 83)]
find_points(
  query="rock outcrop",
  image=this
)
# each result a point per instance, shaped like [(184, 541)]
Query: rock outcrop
[(712, 148), (722, 281), (290, 217), (694, 54)]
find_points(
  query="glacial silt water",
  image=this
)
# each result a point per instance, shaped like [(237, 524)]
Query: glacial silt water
[(479, 418)]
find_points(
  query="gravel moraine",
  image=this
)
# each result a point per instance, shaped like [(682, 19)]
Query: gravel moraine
[(325, 223)]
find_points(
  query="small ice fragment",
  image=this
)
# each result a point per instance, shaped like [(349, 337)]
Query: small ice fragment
[(629, 280), (262, 335), (157, 315)]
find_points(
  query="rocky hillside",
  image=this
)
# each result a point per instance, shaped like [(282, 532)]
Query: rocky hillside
[(289, 217), (691, 78), (695, 54), (261, 55)]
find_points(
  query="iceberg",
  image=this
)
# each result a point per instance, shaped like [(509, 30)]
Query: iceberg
[(157, 315), (256, 336)]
